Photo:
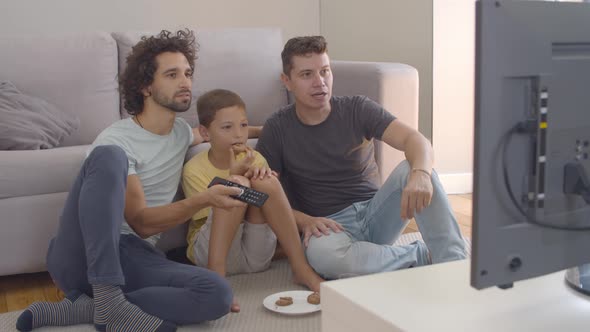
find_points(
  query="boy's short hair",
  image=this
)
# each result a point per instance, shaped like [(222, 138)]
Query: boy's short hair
[(301, 46), (209, 103)]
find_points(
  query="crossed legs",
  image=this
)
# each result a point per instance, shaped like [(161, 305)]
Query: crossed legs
[(373, 225)]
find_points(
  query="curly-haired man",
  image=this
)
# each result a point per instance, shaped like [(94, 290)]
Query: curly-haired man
[(103, 256)]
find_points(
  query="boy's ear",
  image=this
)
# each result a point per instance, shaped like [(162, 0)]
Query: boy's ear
[(204, 133)]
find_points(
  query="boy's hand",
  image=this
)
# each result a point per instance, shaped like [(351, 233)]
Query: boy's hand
[(242, 166), (219, 196)]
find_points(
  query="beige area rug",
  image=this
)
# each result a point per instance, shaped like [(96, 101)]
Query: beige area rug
[(250, 290)]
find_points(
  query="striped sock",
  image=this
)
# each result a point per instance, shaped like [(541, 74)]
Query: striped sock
[(114, 313), (76, 308)]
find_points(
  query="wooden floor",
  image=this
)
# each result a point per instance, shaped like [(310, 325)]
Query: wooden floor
[(18, 291)]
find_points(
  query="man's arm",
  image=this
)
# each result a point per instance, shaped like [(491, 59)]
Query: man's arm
[(416, 147), (254, 131), (419, 153), (147, 221), (197, 137)]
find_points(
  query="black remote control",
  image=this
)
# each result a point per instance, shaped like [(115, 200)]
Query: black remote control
[(248, 195)]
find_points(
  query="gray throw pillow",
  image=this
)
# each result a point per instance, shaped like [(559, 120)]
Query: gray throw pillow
[(30, 123)]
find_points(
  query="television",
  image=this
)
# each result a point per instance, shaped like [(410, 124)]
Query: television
[(531, 198)]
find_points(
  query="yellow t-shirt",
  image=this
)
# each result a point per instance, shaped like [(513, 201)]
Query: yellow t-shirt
[(196, 176)]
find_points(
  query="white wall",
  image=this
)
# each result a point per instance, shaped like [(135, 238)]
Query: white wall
[(384, 30), (33, 17), (436, 37), (453, 92)]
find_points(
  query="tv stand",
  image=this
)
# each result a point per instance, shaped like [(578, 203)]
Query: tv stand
[(440, 298)]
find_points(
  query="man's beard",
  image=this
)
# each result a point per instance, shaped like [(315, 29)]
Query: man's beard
[(178, 107)]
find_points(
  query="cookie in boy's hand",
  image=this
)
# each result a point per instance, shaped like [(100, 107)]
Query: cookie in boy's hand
[(314, 298), (284, 301)]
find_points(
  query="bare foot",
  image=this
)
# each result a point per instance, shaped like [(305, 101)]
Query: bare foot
[(310, 280), (279, 253), (235, 307)]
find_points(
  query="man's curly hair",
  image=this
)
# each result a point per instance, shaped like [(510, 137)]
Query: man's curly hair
[(141, 63)]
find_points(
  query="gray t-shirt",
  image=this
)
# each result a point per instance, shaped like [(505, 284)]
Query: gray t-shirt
[(326, 167), (156, 159)]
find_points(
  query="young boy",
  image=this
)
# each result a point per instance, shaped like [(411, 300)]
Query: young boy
[(222, 240)]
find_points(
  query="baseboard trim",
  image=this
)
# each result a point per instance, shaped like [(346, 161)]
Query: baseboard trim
[(458, 183)]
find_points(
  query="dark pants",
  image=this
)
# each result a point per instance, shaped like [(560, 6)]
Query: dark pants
[(89, 249)]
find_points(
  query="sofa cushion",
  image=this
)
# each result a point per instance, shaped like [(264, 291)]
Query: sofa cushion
[(30, 123), (75, 72), (37, 172), (244, 60)]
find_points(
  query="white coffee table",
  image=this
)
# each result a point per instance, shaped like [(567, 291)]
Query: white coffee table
[(439, 298)]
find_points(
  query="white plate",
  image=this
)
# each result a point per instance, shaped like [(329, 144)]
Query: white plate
[(300, 305)]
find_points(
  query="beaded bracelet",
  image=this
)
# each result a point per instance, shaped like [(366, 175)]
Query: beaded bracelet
[(421, 170)]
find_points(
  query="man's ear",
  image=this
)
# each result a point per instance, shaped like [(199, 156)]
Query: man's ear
[(147, 91), (286, 81), (204, 133)]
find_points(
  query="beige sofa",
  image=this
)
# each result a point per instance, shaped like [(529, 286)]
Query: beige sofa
[(78, 74)]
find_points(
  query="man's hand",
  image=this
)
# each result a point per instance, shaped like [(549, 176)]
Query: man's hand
[(242, 166), (255, 172), (416, 195), (318, 226), (219, 196)]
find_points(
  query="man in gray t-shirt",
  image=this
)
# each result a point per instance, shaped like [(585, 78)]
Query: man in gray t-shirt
[(323, 148)]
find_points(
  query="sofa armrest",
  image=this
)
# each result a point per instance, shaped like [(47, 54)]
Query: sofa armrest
[(393, 85)]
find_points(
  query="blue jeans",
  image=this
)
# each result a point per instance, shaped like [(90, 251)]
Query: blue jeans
[(372, 226), (89, 249)]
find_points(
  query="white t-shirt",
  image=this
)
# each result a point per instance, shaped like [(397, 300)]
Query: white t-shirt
[(156, 159)]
